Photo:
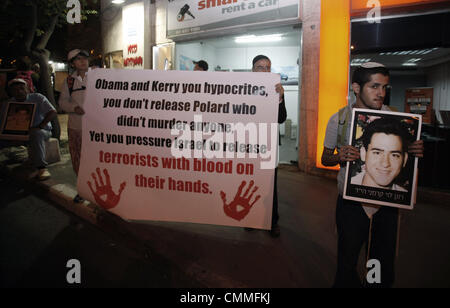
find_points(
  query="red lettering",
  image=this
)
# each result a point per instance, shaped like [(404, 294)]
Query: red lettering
[(133, 61), (132, 48), (213, 3)]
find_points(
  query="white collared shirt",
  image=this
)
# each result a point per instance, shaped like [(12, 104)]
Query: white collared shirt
[(68, 102)]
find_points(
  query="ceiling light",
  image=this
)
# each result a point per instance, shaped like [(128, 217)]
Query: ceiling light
[(117, 1), (258, 39)]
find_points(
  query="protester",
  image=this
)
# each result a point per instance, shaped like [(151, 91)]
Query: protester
[(71, 101), (263, 64), (359, 223), (41, 129)]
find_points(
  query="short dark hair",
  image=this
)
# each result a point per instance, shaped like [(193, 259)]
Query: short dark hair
[(388, 126), (203, 64), (362, 75), (259, 57)]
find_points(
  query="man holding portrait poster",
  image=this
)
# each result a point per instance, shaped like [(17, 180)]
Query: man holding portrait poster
[(359, 223), (29, 115)]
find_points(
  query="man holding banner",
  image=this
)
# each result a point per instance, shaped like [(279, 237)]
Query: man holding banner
[(181, 146), (357, 222), (263, 64)]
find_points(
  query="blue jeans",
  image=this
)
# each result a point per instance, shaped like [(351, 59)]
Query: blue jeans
[(37, 147)]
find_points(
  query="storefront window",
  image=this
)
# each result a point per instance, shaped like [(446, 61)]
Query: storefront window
[(235, 53), (114, 59)]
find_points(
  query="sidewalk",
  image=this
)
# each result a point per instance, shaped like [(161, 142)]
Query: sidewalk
[(303, 256), (215, 256)]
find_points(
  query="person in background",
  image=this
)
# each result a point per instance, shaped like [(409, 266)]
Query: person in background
[(24, 72), (96, 63), (201, 65), (36, 68), (71, 101)]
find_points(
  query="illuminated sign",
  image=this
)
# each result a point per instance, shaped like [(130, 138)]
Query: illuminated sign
[(133, 35), (191, 16)]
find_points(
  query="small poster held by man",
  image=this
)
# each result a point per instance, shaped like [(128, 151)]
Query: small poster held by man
[(17, 121), (384, 174)]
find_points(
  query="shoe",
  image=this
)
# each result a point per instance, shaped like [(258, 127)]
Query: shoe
[(43, 174), (78, 199), (275, 232)]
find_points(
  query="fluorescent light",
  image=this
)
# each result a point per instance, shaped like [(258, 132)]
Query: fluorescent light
[(409, 64), (60, 66), (259, 39), (117, 1), (359, 61), (408, 52)]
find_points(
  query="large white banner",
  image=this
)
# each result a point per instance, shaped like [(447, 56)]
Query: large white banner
[(181, 146), (189, 16)]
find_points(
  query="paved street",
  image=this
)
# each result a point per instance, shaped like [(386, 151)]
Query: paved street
[(38, 238)]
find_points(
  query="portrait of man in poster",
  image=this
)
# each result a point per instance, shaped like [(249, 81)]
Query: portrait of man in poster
[(16, 120), (385, 174)]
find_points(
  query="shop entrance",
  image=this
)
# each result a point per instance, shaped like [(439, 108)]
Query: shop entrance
[(416, 49), (234, 53)]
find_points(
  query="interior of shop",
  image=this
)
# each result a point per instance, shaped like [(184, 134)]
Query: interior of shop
[(419, 61), (235, 53)]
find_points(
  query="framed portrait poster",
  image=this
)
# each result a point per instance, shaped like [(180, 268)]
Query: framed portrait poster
[(385, 174), (17, 120)]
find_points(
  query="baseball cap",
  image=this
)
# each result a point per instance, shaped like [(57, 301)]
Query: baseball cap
[(74, 53), (16, 80), (203, 64)]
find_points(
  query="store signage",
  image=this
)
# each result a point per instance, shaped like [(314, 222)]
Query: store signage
[(182, 146), (133, 35), (420, 101), (132, 61), (190, 16)]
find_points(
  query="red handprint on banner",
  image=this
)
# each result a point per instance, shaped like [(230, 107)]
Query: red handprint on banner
[(231, 210), (103, 189)]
